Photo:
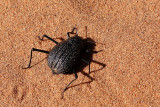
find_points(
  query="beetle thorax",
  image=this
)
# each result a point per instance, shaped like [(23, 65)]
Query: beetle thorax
[(76, 40)]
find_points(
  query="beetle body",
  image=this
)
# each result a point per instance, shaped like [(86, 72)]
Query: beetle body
[(64, 56)]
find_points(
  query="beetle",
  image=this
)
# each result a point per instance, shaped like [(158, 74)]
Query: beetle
[(64, 56)]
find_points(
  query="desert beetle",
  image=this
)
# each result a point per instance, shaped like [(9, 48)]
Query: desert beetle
[(65, 55)]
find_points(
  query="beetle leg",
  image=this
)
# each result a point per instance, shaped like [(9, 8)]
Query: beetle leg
[(76, 76), (97, 51), (72, 32), (88, 51), (48, 38), (33, 49), (87, 62)]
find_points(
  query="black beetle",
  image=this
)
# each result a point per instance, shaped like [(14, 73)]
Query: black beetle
[(65, 55)]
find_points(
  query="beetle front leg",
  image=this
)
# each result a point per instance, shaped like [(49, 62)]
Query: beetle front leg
[(72, 32), (48, 38)]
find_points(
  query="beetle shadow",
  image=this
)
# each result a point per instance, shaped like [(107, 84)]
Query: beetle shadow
[(87, 55)]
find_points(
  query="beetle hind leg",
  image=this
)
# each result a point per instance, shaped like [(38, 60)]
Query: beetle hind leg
[(76, 76)]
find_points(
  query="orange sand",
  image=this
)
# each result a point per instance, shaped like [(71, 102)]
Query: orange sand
[(128, 31)]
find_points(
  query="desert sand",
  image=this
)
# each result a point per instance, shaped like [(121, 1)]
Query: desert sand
[(128, 32)]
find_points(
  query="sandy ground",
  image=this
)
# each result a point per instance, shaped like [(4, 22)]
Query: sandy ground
[(128, 31)]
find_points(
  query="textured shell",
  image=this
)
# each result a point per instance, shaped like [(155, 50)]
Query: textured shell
[(64, 56)]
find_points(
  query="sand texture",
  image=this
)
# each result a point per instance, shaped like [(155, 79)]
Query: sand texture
[(125, 74)]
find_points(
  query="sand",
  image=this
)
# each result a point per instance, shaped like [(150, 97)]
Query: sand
[(127, 31)]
